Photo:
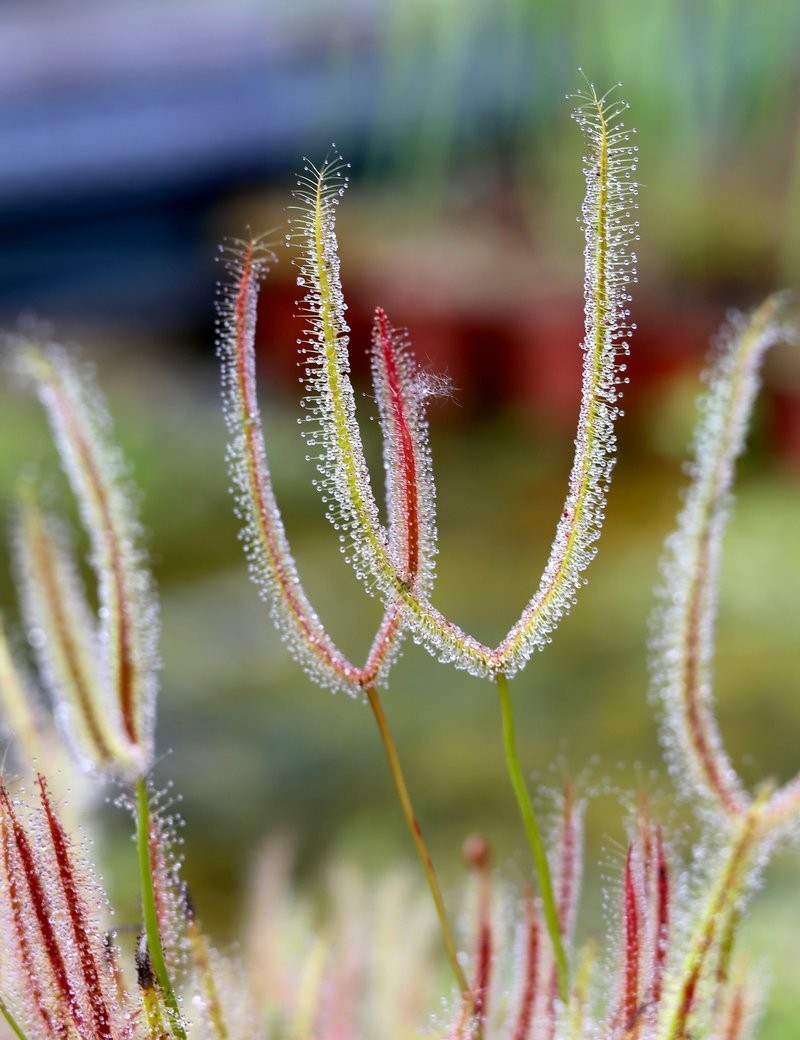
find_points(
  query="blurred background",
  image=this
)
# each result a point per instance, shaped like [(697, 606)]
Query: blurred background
[(135, 137)]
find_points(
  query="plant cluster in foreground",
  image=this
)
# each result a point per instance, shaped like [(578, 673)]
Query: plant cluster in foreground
[(668, 968)]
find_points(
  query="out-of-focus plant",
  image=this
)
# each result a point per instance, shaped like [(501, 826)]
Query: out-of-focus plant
[(668, 968), (101, 674), (737, 63), (446, 67)]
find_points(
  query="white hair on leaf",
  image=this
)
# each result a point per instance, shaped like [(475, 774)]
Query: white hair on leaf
[(128, 621), (610, 268)]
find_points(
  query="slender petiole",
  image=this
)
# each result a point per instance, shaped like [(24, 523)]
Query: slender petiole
[(419, 841), (11, 1021), (149, 910), (534, 838)]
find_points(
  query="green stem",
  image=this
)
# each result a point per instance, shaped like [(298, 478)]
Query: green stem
[(12, 1022), (534, 838), (419, 841), (149, 909)]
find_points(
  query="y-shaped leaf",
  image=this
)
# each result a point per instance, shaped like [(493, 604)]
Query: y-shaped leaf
[(271, 563), (330, 400)]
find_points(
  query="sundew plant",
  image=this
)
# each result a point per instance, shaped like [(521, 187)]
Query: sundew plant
[(669, 966)]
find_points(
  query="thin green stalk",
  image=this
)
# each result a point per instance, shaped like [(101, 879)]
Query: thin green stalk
[(534, 838), (149, 910), (12, 1022), (419, 841)]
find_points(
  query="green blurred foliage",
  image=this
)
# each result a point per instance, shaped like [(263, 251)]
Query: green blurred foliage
[(715, 95)]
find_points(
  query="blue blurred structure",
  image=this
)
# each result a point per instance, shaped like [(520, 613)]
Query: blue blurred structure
[(124, 126), (121, 125)]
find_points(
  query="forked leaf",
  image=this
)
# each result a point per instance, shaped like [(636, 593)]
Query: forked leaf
[(330, 401)]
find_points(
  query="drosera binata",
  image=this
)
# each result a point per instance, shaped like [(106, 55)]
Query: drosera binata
[(396, 562), (668, 966)]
